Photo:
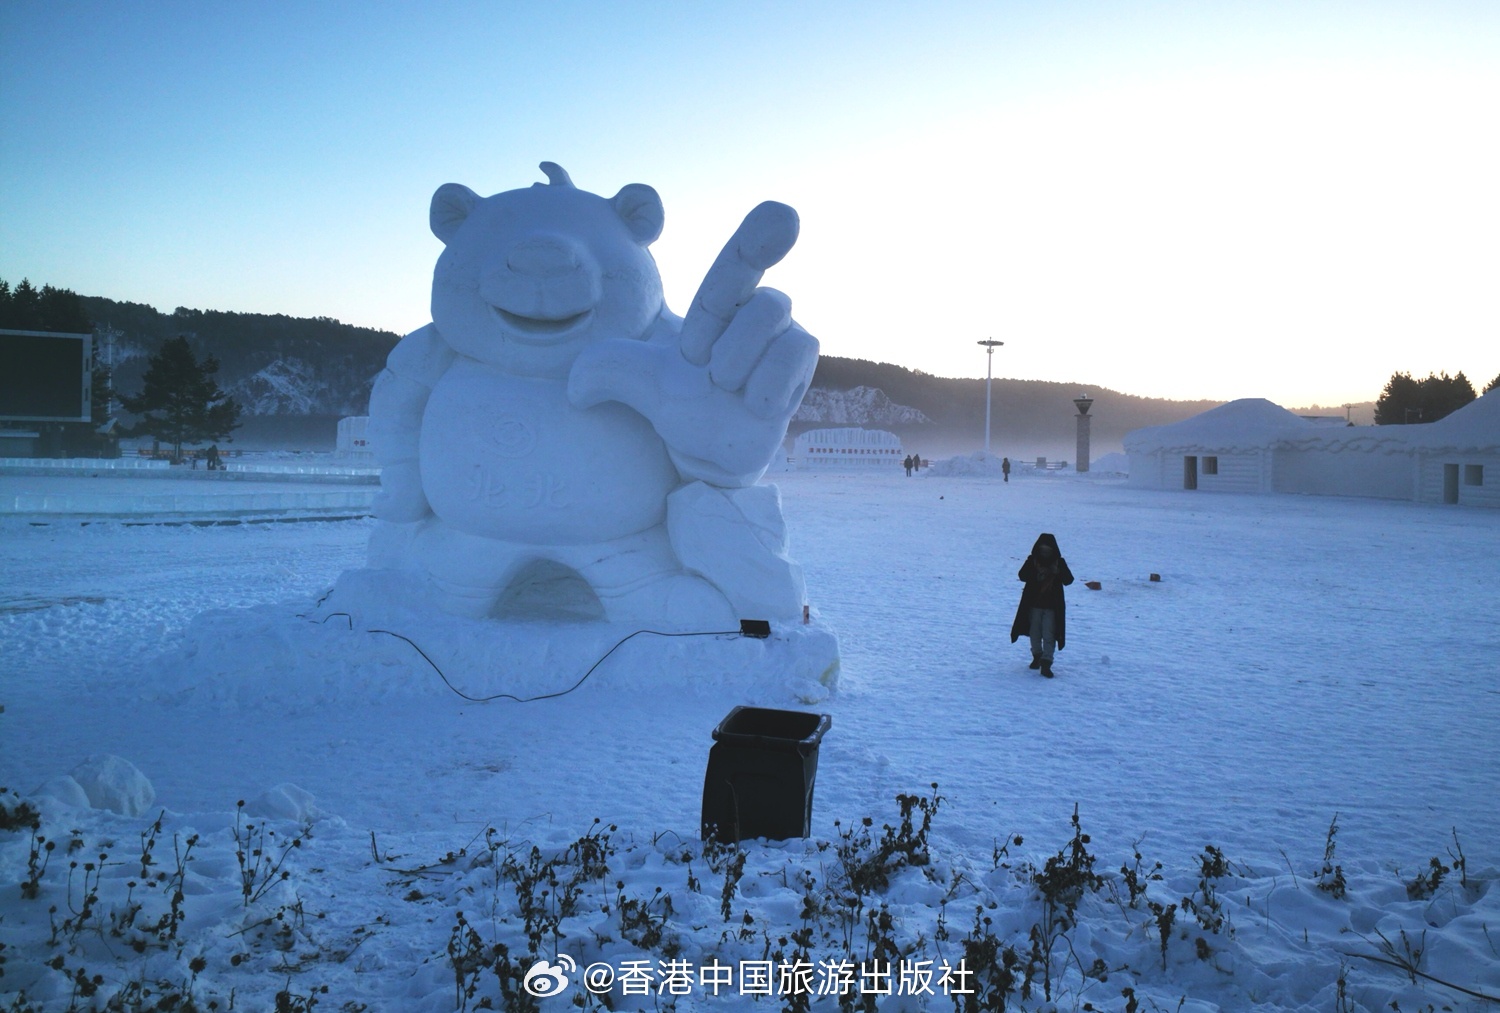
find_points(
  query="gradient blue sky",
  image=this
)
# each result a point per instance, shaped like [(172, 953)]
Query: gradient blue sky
[(1217, 200)]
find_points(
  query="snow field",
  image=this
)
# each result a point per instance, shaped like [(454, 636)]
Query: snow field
[(1299, 658)]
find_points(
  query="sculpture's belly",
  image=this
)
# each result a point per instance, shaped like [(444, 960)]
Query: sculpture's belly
[(507, 457)]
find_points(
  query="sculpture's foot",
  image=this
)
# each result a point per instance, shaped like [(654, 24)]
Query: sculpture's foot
[(680, 600)]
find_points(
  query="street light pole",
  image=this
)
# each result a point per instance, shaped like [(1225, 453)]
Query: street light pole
[(989, 346)]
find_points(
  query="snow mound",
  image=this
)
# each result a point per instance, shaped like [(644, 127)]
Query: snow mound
[(982, 465), (63, 789), (975, 465), (284, 802), (1110, 464), (109, 782)]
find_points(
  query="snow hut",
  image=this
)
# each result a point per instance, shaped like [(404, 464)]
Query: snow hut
[(1457, 458), (1447, 461), (1225, 449), (1254, 446), (850, 448)]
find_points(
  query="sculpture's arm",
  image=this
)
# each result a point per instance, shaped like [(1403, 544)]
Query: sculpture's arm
[(397, 403)]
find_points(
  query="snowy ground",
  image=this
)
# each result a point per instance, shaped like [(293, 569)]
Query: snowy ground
[(1299, 658)]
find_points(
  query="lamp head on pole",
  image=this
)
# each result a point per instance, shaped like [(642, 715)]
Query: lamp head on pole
[(990, 345)]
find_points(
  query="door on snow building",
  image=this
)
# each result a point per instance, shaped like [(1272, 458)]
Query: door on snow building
[(1450, 483), (1190, 472)]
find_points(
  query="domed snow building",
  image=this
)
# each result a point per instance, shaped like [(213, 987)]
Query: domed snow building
[(1254, 446)]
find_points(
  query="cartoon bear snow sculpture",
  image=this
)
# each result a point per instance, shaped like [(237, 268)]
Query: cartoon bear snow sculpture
[(558, 443)]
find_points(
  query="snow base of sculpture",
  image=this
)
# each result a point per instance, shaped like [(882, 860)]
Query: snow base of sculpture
[(374, 640)]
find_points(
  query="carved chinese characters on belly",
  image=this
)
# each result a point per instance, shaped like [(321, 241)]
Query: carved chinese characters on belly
[(537, 470)]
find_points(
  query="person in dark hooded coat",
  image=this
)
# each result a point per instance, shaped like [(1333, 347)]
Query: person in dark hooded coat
[(1042, 614)]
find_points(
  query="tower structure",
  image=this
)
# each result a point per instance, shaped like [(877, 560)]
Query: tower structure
[(1083, 402)]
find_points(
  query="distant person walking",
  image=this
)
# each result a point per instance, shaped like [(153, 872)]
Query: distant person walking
[(1005, 467), (907, 462), (1042, 613), (916, 462)]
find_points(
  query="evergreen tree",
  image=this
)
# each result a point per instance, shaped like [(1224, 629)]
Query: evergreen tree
[(1492, 384), (24, 308), (1405, 400), (180, 402), (1442, 395), (61, 310), (101, 390), (1400, 402)]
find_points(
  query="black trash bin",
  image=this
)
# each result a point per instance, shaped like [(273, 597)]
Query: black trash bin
[(760, 775)]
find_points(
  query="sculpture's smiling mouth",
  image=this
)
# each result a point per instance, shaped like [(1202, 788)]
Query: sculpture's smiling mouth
[(541, 328)]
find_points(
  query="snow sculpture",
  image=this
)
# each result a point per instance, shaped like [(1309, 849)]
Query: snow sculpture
[(558, 442)]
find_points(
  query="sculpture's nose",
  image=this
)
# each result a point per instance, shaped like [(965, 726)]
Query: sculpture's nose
[(545, 276), (543, 257)]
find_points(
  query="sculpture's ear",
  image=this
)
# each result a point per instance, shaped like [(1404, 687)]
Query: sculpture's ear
[(640, 209), (450, 208)]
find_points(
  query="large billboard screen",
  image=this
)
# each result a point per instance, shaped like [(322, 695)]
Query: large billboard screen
[(44, 376)]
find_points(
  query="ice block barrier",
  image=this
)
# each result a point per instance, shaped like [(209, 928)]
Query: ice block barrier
[(761, 772)]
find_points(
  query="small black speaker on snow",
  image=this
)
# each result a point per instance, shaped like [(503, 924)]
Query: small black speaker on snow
[(758, 628)]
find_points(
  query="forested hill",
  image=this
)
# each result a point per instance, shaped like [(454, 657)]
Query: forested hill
[(272, 364), (281, 367)]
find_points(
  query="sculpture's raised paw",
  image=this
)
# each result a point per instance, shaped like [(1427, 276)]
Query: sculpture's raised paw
[(722, 397), (745, 335)]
